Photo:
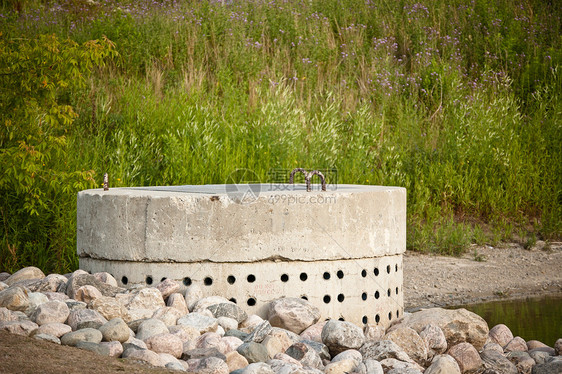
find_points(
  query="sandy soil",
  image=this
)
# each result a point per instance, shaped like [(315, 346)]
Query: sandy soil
[(483, 274)]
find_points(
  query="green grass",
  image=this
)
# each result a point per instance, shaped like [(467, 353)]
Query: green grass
[(459, 102)]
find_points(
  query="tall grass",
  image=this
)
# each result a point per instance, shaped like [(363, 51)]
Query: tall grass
[(459, 102)]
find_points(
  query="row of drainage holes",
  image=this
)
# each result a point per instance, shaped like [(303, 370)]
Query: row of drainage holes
[(231, 279), (365, 319)]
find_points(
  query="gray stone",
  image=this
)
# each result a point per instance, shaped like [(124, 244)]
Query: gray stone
[(56, 296), (115, 330), (146, 298), (350, 354), (339, 336), (541, 355), (55, 329), (27, 273), (492, 347), (253, 352), (383, 349), (83, 335), (228, 310), (496, 361), (85, 318), (193, 294), (110, 308), (176, 300), (227, 323), (3, 286), (409, 340), (185, 333), (258, 368), (87, 293), (196, 353), (501, 334), (466, 356), (373, 367), (210, 365), (15, 298), (552, 367), (443, 364), (75, 305), (35, 299), (143, 355), (516, 344), (404, 371), (47, 338), (79, 280), (51, 283), (199, 321), (237, 333), (151, 327), (522, 361), (314, 332), (168, 315), (390, 364), (51, 312), (320, 348), (165, 343), (24, 328), (434, 339), (3, 276), (458, 325), (292, 314), (558, 347), (341, 367), (106, 278), (168, 287), (532, 344), (259, 333), (115, 348), (98, 348), (305, 354)]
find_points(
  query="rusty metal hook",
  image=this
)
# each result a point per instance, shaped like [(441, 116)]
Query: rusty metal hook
[(308, 177), (292, 176), (105, 182)]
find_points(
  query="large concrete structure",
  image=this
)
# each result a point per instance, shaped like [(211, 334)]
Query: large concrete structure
[(341, 249)]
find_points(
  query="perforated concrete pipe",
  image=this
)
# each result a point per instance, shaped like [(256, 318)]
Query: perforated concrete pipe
[(340, 249)]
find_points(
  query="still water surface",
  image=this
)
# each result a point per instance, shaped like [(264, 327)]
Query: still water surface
[(532, 319)]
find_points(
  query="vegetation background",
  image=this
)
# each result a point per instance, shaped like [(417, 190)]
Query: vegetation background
[(460, 102)]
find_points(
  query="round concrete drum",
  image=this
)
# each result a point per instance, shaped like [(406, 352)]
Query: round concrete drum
[(340, 249)]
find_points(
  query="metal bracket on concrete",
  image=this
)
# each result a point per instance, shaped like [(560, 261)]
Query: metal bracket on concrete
[(105, 182), (308, 177)]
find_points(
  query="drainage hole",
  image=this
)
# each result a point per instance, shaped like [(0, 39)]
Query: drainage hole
[(377, 318), (341, 319), (187, 281), (326, 275), (327, 299), (149, 280), (388, 269), (303, 277), (397, 313), (233, 300), (208, 281), (388, 293), (396, 268), (251, 278), (376, 271), (364, 273), (304, 297), (251, 301), (340, 274), (341, 297), (231, 279), (163, 279), (284, 278), (377, 295), (364, 296), (390, 316), (365, 320), (397, 290), (124, 280)]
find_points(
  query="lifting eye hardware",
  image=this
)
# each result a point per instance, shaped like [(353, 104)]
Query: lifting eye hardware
[(308, 177)]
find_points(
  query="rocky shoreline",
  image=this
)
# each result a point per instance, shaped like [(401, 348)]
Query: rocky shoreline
[(187, 332)]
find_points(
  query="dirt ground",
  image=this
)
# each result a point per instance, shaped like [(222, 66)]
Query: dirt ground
[(482, 274)]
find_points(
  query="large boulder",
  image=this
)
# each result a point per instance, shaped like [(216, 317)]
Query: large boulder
[(411, 342), (340, 336), (293, 314), (27, 273)]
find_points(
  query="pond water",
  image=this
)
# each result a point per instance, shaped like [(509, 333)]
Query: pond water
[(532, 318)]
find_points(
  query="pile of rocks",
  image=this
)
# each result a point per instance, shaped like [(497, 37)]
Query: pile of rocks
[(185, 331)]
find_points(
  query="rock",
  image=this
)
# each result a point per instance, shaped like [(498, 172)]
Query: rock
[(115, 330), (532, 344), (29, 272), (136, 314), (35, 299), (273, 346), (558, 347), (551, 367), (197, 353), (541, 355), (397, 366), (51, 312), (401, 370), (143, 355), (374, 367), (168, 315), (314, 332), (205, 302), (210, 365), (522, 361), (259, 333), (458, 325), (3, 286), (151, 327), (83, 318), (24, 328), (285, 359), (6, 315), (75, 305), (235, 361), (114, 347), (165, 343), (106, 278), (466, 356), (168, 287), (78, 280), (51, 283), (110, 308), (227, 323), (4, 275), (443, 364), (434, 339), (253, 352), (292, 314), (185, 333), (55, 329), (383, 349), (500, 334), (373, 332), (320, 348), (83, 335), (134, 343), (176, 300), (200, 322), (516, 344), (250, 323), (496, 361), (146, 298), (258, 368), (340, 367), (409, 340), (193, 294), (228, 310), (339, 336), (56, 296), (97, 348), (15, 298), (47, 338), (350, 354), (232, 343), (493, 347), (87, 293), (305, 354)]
